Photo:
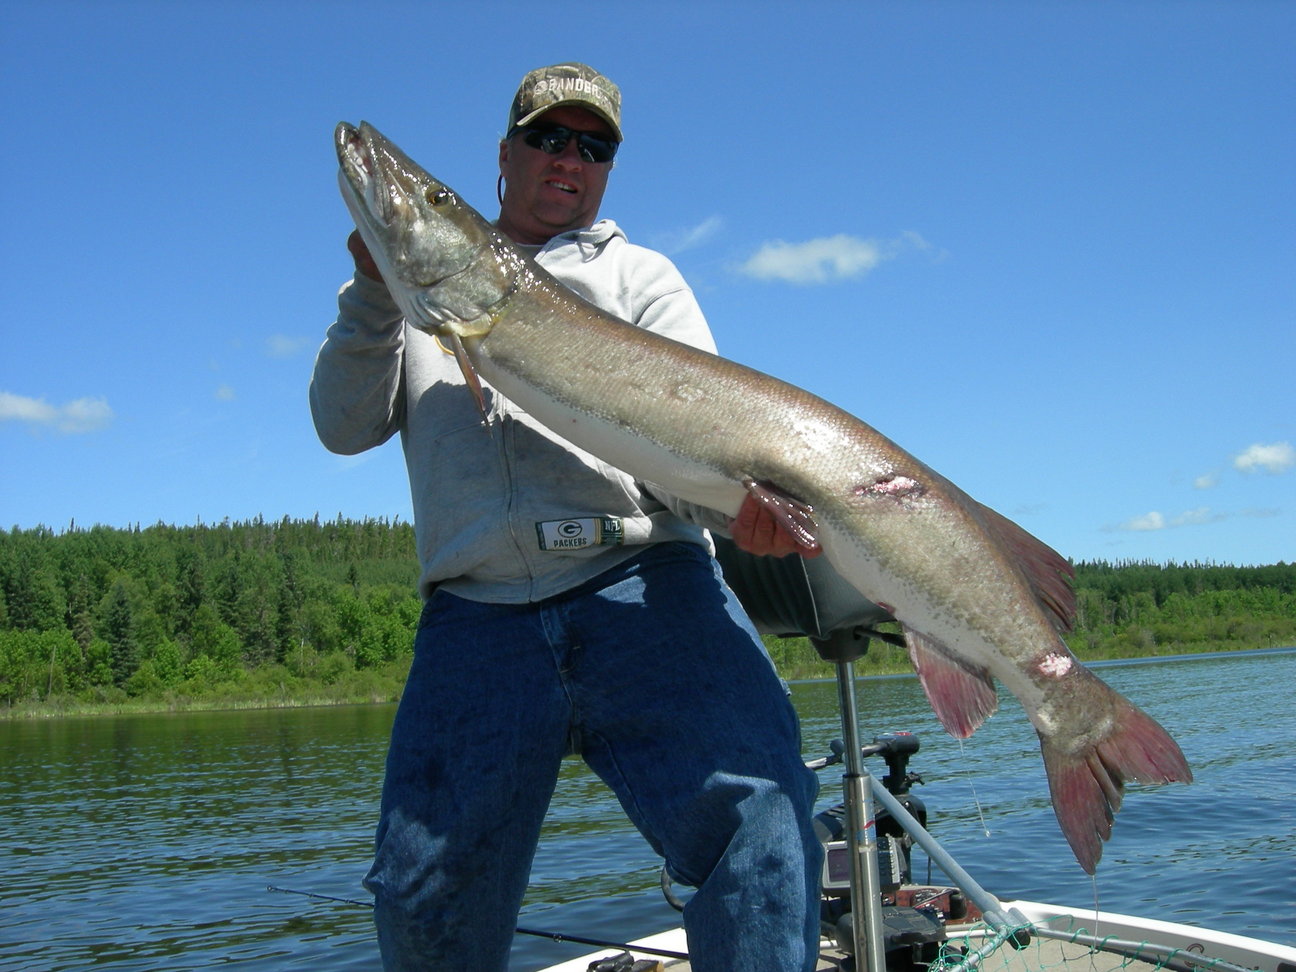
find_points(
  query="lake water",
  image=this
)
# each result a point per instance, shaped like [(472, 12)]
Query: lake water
[(148, 842)]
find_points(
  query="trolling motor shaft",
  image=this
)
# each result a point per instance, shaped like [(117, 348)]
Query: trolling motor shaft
[(842, 648)]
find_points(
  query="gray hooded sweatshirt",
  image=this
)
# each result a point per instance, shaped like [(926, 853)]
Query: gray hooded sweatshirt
[(511, 512)]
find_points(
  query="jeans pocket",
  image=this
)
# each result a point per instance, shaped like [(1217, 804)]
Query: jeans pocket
[(433, 606)]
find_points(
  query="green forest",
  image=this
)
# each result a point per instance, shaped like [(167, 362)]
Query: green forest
[(300, 612)]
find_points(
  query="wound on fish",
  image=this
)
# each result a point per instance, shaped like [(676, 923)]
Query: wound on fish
[(1055, 665), (896, 487), (686, 392)]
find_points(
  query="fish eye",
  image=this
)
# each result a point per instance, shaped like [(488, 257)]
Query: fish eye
[(439, 197)]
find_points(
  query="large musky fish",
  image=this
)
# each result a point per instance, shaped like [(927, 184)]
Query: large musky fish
[(978, 597)]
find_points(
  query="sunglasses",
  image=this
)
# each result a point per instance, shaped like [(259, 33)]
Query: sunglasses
[(552, 139)]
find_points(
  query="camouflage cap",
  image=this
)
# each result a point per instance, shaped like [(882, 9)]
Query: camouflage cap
[(566, 84)]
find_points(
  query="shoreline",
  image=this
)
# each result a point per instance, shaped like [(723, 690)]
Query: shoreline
[(388, 694)]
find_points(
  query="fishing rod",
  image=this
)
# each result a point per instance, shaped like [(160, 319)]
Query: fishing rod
[(558, 937)]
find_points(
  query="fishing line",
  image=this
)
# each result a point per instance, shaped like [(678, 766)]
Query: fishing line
[(320, 897), (558, 937), (971, 782), (1093, 879)]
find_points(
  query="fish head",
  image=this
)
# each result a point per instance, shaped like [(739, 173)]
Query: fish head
[(422, 236)]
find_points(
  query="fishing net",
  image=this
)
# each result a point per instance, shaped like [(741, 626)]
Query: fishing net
[(1042, 947)]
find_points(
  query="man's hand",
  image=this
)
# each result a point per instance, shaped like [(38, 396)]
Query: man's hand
[(364, 261), (758, 531)]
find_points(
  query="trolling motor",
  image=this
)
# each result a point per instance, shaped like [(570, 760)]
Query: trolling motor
[(880, 924), (894, 844), (911, 922)]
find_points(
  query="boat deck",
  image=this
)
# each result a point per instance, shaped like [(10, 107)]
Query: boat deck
[(1123, 943), (1039, 955)]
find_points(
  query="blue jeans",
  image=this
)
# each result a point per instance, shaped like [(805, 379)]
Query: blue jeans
[(652, 672)]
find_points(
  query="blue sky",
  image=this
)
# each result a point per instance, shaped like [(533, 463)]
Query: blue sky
[(1047, 247)]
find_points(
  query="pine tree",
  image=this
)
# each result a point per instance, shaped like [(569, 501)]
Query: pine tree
[(119, 632)]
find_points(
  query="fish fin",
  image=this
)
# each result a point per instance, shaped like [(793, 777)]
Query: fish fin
[(1086, 787), (1047, 571), (469, 373), (797, 517), (962, 695)]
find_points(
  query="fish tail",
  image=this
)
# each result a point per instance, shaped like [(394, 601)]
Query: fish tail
[(1087, 785)]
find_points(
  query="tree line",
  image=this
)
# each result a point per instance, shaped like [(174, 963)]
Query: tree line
[(293, 611)]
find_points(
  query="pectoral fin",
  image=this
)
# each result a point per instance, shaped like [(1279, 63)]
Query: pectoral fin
[(797, 517), (469, 372)]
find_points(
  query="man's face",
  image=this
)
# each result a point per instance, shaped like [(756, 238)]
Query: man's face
[(548, 194)]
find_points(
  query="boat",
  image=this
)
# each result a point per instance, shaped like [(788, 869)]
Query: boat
[(874, 916), (958, 926), (953, 927), (1051, 937)]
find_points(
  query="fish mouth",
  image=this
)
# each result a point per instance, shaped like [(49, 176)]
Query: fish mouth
[(352, 147), (382, 179), (359, 168), (387, 194)]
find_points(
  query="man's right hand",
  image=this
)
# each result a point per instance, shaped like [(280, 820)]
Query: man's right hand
[(756, 530), (364, 261)]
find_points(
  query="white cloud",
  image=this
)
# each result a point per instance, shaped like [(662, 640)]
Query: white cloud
[(1261, 513), (1159, 521), (688, 238), (284, 346), (25, 409), (1274, 458), (77, 416), (1148, 521), (351, 462), (820, 260), (1206, 481), (827, 258), (225, 393), (1202, 514)]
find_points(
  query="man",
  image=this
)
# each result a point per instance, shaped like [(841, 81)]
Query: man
[(569, 608)]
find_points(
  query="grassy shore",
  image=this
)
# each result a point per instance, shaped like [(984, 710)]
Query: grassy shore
[(275, 687)]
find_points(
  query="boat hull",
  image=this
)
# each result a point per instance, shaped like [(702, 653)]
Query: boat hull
[(1113, 929)]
